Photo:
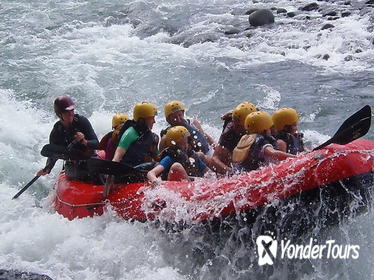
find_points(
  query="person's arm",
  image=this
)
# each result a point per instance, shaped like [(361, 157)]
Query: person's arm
[(221, 159), (153, 174), (128, 137), (54, 138), (86, 135), (197, 124), (269, 151), (282, 146)]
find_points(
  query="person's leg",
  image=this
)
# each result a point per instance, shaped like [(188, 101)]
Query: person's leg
[(177, 173)]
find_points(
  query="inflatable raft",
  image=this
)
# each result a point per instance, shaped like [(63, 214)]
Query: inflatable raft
[(340, 176)]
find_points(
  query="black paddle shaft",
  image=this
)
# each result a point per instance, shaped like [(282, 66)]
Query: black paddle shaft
[(352, 128), (26, 187)]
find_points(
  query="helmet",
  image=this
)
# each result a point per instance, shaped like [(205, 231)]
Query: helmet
[(242, 110), (257, 122), (118, 119), (144, 110), (283, 117), (63, 104), (175, 134), (173, 106)]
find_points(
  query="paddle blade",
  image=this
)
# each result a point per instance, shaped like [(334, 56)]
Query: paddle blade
[(352, 128)]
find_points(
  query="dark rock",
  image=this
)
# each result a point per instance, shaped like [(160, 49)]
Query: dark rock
[(291, 14), (281, 11), (261, 17), (327, 26), (370, 2), (348, 58), (347, 3), (307, 17), (346, 14), (231, 31), (250, 11), (273, 8), (358, 51), (332, 13), (309, 7), (332, 18), (326, 57), (18, 275)]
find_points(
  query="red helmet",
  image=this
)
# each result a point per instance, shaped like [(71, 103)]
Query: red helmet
[(63, 104)]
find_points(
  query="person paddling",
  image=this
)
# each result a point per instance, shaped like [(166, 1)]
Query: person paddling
[(257, 148), (72, 133), (178, 160), (288, 139)]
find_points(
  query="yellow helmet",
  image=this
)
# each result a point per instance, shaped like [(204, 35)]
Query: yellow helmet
[(242, 111), (173, 106), (283, 117), (175, 134), (118, 119), (257, 122), (144, 110)]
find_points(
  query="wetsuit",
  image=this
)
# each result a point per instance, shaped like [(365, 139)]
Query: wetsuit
[(64, 137)]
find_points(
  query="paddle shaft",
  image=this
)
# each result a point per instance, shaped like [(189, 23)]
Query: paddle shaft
[(26, 187), (353, 128)]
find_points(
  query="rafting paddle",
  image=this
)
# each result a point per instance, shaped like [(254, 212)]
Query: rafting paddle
[(113, 168), (26, 187), (352, 128)]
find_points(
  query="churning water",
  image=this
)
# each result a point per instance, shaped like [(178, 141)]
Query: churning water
[(109, 55)]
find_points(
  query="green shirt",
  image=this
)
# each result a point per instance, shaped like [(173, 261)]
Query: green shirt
[(128, 137)]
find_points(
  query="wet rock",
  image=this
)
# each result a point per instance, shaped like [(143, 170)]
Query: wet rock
[(348, 58), (250, 11), (346, 14), (327, 26), (261, 17), (291, 14), (310, 7), (281, 11), (331, 13), (326, 57), (231, 31), (18, 275)]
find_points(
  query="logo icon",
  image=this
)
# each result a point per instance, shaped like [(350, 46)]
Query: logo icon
[(267, 249)]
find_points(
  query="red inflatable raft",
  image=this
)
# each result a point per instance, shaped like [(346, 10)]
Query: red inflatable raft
[(335, 171)]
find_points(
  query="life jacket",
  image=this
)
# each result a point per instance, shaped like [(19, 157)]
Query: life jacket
[(198, 140), (188, 160), (255, 159), (242, 149), (142, 150), (69, 140), (295, 143)]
